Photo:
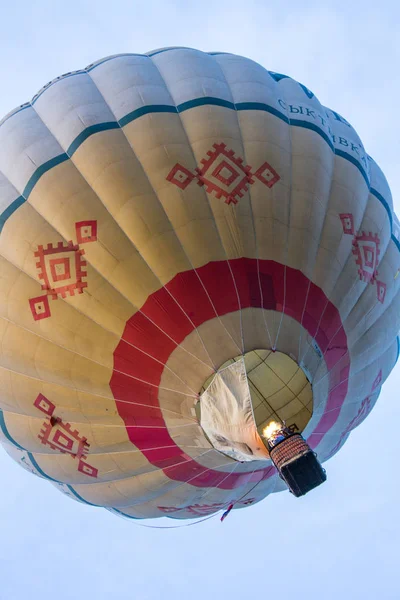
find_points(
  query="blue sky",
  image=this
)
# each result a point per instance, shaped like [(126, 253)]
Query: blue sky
[(341, 540)]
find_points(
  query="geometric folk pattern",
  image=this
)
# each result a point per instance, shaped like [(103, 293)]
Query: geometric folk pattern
[(61, 269), (366, 251), (223, 174), (60, 436)]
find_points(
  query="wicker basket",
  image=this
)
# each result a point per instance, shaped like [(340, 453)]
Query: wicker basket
[(288, 449), (297, 464)]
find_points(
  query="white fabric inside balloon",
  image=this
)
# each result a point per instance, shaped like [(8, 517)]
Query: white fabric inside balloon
[(227, 415)]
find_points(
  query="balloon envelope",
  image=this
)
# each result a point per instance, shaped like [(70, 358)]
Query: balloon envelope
[(165, 217)]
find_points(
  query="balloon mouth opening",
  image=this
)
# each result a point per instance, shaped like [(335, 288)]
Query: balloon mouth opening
[(250, 398)]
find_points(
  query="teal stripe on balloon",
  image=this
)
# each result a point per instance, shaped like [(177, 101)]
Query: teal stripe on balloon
[(396, 242), (34, 462), (47, 166), (146, 110), (78, 497), (6, 214), (39, 469), (163, 108), (7, 434), (43, 474), (5, 431), (356, 163), (262, 107), (321, 132), (205, 101), (86, 133), (278, 77), (384, 202), (125, 515)]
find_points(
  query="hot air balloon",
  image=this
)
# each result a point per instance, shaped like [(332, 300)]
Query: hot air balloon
[(193, 249)]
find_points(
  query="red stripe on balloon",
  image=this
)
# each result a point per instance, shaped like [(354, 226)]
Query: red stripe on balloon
[(141, 355)]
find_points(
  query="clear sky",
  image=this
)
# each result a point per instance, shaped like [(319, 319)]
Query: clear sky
[(340, 541)]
